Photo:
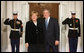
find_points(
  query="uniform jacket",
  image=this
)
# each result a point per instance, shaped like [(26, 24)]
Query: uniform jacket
[(73, 23), (14, 24)]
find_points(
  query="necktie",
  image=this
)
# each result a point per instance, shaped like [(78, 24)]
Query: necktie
[(46, 23)]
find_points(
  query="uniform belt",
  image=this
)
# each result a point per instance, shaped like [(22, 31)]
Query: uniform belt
[(15, 29), (73, 28)]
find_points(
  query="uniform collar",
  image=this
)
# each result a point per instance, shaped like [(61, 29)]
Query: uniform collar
[(72, 18), (16, 19)]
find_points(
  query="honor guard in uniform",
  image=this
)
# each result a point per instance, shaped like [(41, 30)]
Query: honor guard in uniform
[(74, 31), (16, 31)]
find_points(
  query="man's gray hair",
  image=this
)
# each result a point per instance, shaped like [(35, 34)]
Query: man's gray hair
[(46, 10)]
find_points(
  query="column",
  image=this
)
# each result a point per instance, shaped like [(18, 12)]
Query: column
[(3, 27)]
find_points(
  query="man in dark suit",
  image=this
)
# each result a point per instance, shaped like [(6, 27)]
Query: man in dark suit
[(51, 32)]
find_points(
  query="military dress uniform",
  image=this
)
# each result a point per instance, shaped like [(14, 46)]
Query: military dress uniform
[(73, 33), (16, 32)]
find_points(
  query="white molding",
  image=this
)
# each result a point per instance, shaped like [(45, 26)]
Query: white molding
[(43, 2)]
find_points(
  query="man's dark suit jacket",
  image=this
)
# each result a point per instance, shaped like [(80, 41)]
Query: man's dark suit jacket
[(52, 32)]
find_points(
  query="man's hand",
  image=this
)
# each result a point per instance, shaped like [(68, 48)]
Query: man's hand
[(21, 34), (56, 42), (26, 45)]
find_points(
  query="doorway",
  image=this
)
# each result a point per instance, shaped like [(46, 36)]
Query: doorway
[(39, 7)]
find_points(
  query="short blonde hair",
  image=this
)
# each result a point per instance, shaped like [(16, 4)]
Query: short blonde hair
[(34, 12)]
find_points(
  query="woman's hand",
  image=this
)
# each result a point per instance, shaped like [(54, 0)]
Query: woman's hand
[(26, 45)]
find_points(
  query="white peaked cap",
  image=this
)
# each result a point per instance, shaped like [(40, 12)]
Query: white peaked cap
[(15, 12), (73, 11)]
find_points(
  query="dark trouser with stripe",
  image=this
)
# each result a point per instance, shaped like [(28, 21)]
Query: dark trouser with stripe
[(73, 44), (15, 43)]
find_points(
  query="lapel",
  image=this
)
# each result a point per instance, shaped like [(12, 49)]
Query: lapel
[(49, 22), (33, 25), (44, 24)]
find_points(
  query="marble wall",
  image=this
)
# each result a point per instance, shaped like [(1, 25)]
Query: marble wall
[(4, 40)]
